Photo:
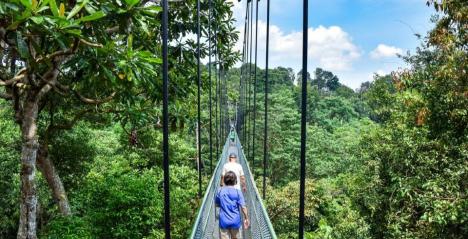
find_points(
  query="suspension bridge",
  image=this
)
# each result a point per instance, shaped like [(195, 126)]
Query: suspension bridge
[(207, 224)]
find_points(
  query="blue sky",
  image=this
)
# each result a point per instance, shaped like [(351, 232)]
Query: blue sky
[(352, 38)]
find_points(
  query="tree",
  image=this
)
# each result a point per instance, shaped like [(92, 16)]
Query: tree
[(299, 76), (417, 160), (345, 92), (325, 80), (332, 111), (281, 76), (328, 212), (379, 95), (80, 52), (93, 53)]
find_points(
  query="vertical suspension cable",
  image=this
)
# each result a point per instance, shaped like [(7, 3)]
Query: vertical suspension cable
[(217, 93), (265, 132), (246, 73), (210, 84), (221, 113), (167, 208), (198, 101), (239, 126), (244, 89), (226, 111), (220, 99), (255, 90), (249, 114), (242, 79), (246, 85), (305, 36)]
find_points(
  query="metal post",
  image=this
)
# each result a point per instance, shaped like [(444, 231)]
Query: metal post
[(167, 208), (265, 136), (210, 95), (305, 26), (250, 84), (255, 90), (245, 110), (217, 93), (198, 101)]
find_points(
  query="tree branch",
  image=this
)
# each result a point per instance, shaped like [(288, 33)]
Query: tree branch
[(58, 90), (93, 101), (61, 53), (46, 88), (17, 106), (55, 54), (112, 30), (49, 79), (92, 44), (19, 76)]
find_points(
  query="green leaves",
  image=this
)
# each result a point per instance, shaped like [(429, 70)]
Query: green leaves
[(77, 9), (53, 8), (149, 57), (37, 19), (151, 10), (26, 3), (131, 3), (92, 17), (130, 42), (12, 6)]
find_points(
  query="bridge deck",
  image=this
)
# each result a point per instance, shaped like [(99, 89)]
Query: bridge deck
[(214, 229)]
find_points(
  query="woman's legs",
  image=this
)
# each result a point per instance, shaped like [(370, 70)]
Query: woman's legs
[(225, 234), (235, 234), (230, 234)]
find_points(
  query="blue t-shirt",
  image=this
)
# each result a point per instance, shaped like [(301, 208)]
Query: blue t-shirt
[(230, 201)]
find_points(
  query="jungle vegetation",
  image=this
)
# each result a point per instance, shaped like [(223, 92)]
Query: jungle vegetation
[(80, 127)]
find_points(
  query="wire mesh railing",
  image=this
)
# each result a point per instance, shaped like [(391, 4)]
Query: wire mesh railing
[(261, 226), (206, 224)]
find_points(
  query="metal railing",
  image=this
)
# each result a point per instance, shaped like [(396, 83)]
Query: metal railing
[(207, 224)]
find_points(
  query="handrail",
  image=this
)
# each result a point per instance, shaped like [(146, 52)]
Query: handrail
[(257, 194)]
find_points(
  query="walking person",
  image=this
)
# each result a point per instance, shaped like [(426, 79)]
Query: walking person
[(232, 136), (231, 202), (235, 167)]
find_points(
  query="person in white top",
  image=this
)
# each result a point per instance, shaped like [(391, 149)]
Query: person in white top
[(235, 167)]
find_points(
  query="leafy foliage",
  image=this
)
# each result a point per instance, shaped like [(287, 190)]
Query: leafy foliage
[(121, 196), (9, 147), (329, 212)]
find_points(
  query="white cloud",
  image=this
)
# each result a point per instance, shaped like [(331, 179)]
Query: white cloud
[(332, 47), (379, 72), (385, 51), (329, 47)]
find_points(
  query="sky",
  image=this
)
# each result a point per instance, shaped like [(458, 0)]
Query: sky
[(354, 39)]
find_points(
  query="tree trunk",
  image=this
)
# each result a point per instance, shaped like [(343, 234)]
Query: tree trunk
[(28, 209), (47, 168)]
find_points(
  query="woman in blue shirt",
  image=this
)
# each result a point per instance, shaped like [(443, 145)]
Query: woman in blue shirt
[(231, 201)]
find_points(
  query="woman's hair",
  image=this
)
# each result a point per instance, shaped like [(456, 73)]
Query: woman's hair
[(230, 178)]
